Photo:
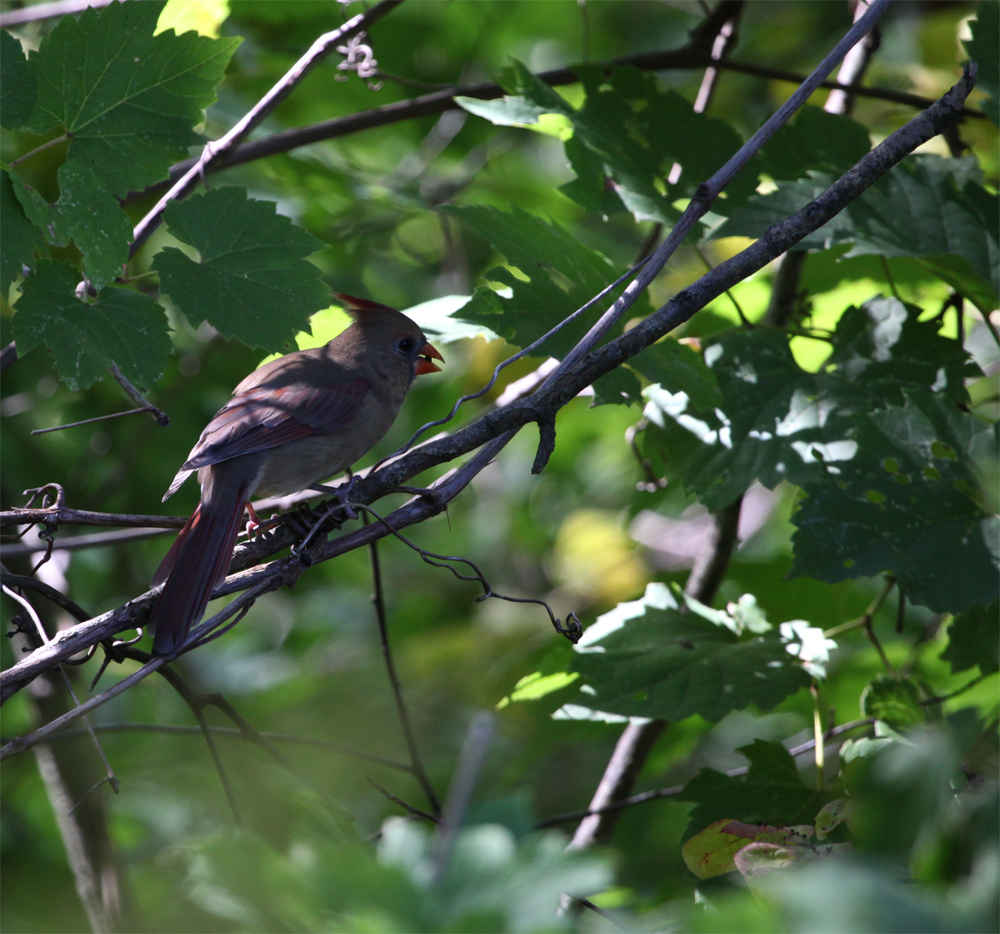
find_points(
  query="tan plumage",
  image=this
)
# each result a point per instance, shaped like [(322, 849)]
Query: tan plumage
[(290, 424)]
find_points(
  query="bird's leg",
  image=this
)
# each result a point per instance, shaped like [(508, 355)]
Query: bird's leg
[(340, 493), (340, 496), (253, 523)]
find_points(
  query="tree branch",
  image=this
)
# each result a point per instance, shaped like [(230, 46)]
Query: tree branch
[(492, 431)]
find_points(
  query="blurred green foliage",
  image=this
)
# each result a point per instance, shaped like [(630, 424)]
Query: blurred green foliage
[(552, 216)]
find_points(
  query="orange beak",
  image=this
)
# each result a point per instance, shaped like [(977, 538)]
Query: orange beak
[(424, 364)]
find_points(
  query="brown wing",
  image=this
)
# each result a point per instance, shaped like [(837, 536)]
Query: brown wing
[(263, 418)]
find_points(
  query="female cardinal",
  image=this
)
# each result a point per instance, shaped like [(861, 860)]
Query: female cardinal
[(290, 424)]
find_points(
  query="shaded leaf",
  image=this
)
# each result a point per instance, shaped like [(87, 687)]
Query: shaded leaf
[(780, 422), (20, 236), (85, 214), (130, 107), (832, 815), (556, 275), (814, 140), (251, 280), (18, 83), (974, 639), (678, 368), (908, 502), (771, 792), (618, 387), (122, 327)]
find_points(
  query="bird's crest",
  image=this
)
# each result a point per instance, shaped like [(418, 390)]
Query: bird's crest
[(355, 306)]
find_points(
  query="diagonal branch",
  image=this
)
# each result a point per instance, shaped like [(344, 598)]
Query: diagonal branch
[(492, 431)]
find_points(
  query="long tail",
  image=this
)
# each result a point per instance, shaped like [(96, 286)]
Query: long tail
[(196, 564)]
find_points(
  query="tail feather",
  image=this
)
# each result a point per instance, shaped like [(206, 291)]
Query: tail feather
[(195, 565)]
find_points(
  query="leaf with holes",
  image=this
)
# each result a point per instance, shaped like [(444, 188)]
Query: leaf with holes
[(908, 502), (122, 327), (780, 422), (251, 280)]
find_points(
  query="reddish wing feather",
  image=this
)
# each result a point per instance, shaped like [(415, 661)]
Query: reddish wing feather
[(264, 418)]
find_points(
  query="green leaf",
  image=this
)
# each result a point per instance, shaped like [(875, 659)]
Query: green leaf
[(651, 658), (251, 281), (927, 208), (908, 503), (619, 387), (982, 49), (678, 368), (814, 141), (771, 792), (895, 701), (20, 236), (86, 214), (780, 422), (127, 98), (974, 639), (440, 320), (630, 132), (556, 275), (18, 83), (122, 327), (833, 814)]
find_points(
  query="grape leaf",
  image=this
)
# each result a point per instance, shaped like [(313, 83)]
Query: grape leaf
[(710, 852), (982, 49), (557, 274), (974, 639), (780, 422), (927, 208), (122, 326), (127, 98), (668, 656), (18, 83), (907, 502), (251, 281), (815, 140), (85, 213), (618, 387), (771, 792), (20, 236), (678, 368), (627, 132)]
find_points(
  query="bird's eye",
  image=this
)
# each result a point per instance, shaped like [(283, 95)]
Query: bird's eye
[(407, 345)]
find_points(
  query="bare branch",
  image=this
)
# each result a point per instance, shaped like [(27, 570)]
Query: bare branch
[(416, 812), (78, 542), (397, 690)]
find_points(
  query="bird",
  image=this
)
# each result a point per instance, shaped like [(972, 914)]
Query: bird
[(290, 424)]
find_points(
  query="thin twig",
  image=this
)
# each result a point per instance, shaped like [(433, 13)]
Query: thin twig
[(378, 599), (416, 812), (79, 542), (866, 617), (34, 152), (965, 687), (159, 416), (214, 150), (233, 732), (90, 421), (50, 593), (32, 14)]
